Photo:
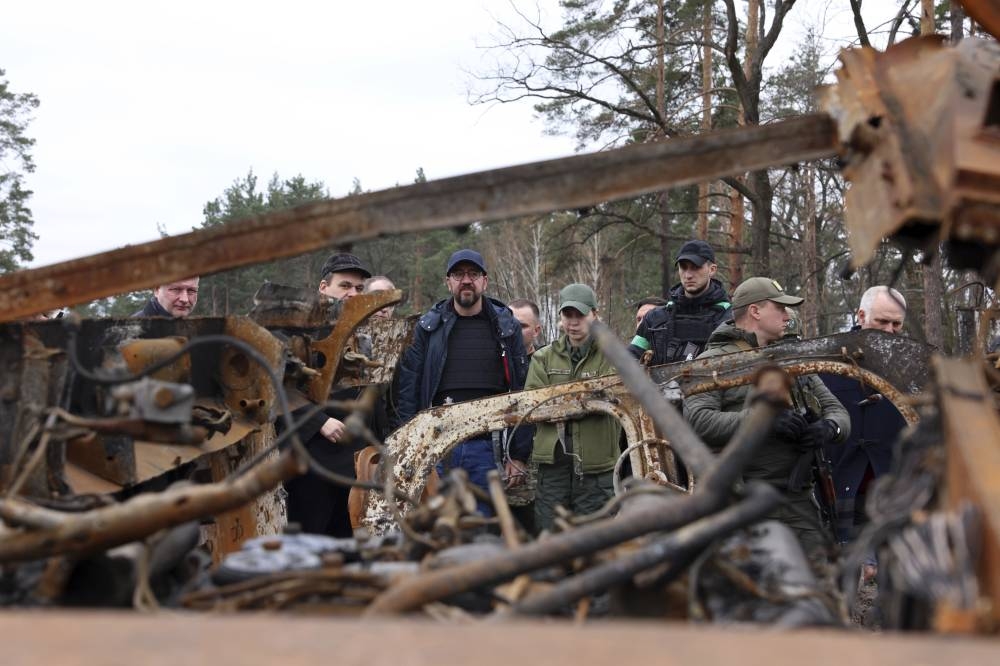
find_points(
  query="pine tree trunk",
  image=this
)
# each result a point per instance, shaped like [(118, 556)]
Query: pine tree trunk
[(666, 266), (811, 306), (704, 189), (736, 213)]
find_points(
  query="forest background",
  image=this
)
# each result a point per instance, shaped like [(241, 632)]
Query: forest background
[(615, 73)]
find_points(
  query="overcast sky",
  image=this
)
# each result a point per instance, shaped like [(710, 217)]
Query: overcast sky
[(148, 110)]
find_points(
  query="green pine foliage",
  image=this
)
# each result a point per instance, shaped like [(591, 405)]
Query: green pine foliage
[(16, 236)]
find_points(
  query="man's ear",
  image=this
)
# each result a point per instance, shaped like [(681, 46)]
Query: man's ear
[(712, 270), (861, 317)]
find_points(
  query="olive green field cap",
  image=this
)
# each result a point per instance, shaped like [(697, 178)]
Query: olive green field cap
[(578, 296), (756, 289)]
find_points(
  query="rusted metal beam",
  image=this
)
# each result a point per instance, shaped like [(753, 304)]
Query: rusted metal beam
[(160, 639), (566, 183), (972, 438), (142, 515)]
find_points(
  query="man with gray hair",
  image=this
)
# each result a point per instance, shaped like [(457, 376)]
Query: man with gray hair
[(875, 422)]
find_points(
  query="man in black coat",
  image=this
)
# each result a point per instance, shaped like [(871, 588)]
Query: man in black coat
[(679, 330), (316, 504), (176, 299), (875, 422)]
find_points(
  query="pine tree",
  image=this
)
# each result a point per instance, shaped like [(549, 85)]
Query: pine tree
[(16, 236)]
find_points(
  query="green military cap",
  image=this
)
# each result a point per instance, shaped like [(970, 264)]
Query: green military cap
[(756, 289), (578, 296)]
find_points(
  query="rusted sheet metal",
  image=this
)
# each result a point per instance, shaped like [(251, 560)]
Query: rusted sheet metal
[(972, 438), (918, 136), (420, 444), (984, 12), (566, 183), (328, 352), (263, 515), (42, 378), (389, 339), (246, 387), (142, 353)]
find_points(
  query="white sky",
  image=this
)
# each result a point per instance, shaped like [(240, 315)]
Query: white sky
[(148, 110)]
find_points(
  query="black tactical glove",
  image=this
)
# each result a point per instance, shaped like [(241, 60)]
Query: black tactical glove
[(820, 433), (790, 425)]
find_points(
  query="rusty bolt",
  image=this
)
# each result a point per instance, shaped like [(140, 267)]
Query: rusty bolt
[(163, 397)]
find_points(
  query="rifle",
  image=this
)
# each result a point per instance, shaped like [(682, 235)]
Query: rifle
[(813, 468)]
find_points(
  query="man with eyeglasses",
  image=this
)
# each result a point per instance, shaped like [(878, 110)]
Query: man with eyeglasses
[(175, 299), (468, 347)]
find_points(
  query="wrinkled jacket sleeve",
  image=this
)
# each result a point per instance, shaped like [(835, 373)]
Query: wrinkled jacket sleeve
[(641, 343), (831, 407), (518, 356), (704, 412), (537, 376), (313, 424), (520, 447), (411, 371)]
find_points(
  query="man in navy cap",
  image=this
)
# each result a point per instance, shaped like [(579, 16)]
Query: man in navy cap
[(467, 347), (679, 330)]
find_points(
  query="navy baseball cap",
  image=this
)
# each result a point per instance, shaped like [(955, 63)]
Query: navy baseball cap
[(697, 252), (470, 256)]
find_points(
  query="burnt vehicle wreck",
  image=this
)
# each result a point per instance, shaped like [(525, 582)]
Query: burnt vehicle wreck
[(104, 424)]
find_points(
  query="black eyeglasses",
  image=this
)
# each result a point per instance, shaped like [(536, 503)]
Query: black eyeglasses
[(461, 275)]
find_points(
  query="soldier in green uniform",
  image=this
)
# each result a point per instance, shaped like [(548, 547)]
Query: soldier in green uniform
[(575, 458), (816, 418)]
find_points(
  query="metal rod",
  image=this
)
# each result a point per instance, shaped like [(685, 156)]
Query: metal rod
[(683, 439), (691, 538), (561, 184)]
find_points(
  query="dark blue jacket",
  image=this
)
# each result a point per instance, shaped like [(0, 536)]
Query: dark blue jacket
[(875, 426), (422, 364)]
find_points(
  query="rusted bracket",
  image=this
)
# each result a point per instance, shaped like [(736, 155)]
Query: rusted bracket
[(353, 313), (972, 438), (246, 387), (894, 365)]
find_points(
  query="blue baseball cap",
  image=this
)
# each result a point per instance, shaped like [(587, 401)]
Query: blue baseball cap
[(470, 256)]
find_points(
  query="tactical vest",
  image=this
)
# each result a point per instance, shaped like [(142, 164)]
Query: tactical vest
[(684, 335)]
